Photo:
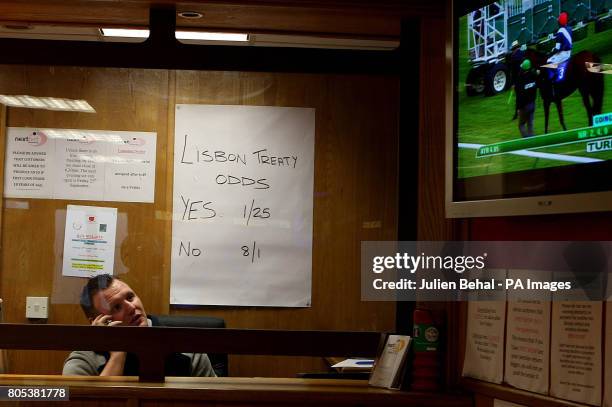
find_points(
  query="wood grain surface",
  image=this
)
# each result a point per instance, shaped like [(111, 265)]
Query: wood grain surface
[(355, 195), (340, 18), (233, 392)]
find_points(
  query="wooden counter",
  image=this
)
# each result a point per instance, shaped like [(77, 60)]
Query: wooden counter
[(234, 391)]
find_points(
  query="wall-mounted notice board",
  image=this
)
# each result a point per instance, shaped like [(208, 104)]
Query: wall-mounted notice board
[(242, 205)]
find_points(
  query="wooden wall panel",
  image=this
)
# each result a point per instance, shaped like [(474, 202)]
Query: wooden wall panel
[(2, 147), (355, 196), (432, 222), (124, 99)]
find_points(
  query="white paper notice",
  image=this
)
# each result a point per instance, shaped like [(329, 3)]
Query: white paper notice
[(575, 359), (94, 165), (29, 164), (608, 364), (527, 345), (242, 205), (82, 176), (89, 241), (484, 347), (130, 170)]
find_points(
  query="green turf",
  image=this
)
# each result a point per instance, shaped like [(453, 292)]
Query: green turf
[(485, 120)]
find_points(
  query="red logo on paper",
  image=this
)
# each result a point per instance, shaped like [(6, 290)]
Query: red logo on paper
[(37, 138)]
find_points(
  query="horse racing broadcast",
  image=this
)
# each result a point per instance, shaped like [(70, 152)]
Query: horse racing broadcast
[(533, 86)]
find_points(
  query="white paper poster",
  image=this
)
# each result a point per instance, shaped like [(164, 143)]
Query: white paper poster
[(242, 205), (528, 345), (608, 363), (29, 164), (130, 168), (89, 241), (484, 345), (575, 359), (96, 165), (67, 290), (78, 168)]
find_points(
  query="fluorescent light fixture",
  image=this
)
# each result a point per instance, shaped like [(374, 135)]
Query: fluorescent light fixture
[(125, 32), (180, 35), (209, 36), (47, 103), (11, 101)]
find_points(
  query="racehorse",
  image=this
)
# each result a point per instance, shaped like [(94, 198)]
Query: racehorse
[(590, 85)]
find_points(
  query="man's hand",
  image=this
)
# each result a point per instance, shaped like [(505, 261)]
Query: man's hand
[(116, 361), (104, 320), (115, 364)]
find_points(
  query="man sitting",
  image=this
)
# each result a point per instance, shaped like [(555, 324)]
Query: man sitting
[(108, 301)]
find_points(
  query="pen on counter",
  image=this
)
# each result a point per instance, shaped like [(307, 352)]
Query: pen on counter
[(364, 362)]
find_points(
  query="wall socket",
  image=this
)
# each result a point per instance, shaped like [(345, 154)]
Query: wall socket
[(37, 307)]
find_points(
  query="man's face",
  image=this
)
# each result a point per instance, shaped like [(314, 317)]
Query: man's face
[(121, 302)]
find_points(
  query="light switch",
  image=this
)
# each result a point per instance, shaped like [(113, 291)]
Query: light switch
[(37, 307)]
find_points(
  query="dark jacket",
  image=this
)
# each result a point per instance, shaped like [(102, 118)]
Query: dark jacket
[(526, 88)]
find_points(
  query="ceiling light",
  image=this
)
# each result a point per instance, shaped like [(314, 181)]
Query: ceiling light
[(125, 32), (11, 101), (209, 36), (190, 15), (180, 35), (29, 101), (47, 103)]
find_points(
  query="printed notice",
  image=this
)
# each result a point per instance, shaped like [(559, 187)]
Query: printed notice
[(527, 345), (89, 241), (484, 348), (78, 173), (28, 168), (242, 205), (94, 165), (575, 368), (130, 170)]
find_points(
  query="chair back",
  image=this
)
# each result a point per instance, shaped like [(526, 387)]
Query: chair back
[(219, 361)]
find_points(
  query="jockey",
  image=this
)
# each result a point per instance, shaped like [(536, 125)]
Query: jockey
[(563, 46)]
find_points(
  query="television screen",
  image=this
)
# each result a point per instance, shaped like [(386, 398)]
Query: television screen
[(533, 99)]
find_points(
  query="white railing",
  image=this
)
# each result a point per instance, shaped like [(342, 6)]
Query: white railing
[(514, 7), (538, 2), (485, 40)]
